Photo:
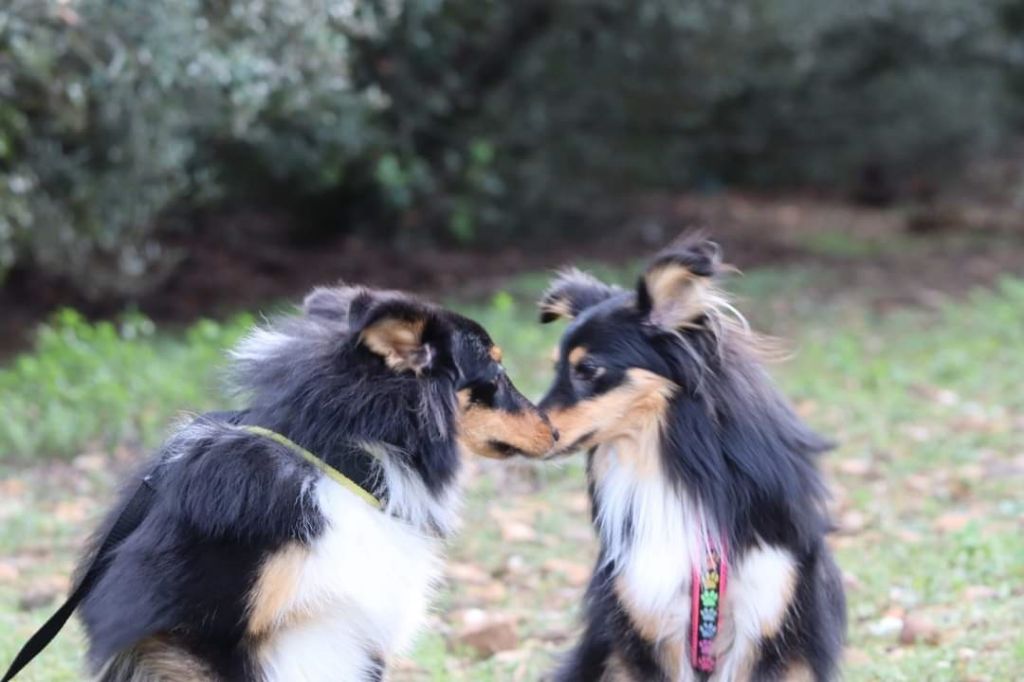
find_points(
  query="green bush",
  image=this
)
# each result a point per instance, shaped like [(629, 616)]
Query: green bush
[(466, 120), (94, 385), (115, 114)]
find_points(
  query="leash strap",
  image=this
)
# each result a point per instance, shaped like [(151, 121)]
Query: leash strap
[(708, 591), (329, 471), (129, 519)]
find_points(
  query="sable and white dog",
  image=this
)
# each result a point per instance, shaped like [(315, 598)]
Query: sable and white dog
[(706, 498), (299, 538)]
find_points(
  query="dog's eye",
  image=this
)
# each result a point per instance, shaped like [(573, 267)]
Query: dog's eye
[(587, 371), (484, 391)]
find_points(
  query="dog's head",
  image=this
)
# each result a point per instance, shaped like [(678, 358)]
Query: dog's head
[(397, 368), (625, 354)]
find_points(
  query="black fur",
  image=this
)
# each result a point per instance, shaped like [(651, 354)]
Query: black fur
[(731, 441), (227, 498)]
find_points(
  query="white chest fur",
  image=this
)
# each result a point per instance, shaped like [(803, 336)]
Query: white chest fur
[(652, 535), (361, 590), (667, 537)]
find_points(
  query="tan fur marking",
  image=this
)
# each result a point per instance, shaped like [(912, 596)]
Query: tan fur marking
[(648, 625), (157, 659), (679, 296), (526, 431), (276, 586), (496, 353), (398, 342), (559, 307), (798, 672), (671, 651), (615, 671), (760, 594), (630, 410), (577, 354)]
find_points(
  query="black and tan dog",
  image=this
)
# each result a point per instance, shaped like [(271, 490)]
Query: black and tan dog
[(706, 498), (261, 561)]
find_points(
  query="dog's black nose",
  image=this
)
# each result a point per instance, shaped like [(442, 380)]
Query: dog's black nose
[(554, 434)]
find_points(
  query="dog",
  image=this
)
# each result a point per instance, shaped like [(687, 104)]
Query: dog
[(706, 498), (300, 538)]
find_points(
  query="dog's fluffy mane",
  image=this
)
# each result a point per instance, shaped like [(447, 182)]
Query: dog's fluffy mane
[(734, 442), (731, 439), (308, 377)]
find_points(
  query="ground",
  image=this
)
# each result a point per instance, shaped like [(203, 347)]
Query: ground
[(905, 350)]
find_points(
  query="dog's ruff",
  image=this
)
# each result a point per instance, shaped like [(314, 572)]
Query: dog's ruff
[(654, 569), (374, 570)]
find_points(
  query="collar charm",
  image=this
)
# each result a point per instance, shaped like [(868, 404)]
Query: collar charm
[(708, 591)]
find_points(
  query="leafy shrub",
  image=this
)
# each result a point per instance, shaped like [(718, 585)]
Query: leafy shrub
[(99, 384), (467, 120), (112, 114)]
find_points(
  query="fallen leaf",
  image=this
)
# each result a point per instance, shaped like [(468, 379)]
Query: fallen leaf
[(72, 511), (465, 572), (515, 531), (920, 483), (950, 522), (8, 572), (895, 612), (856, 467), (805, 408), (13, 487), (92, 462), (853, 521), (918, 628), (491, 592), (578, 502), (41, 594), (499, 633), (978, 592)]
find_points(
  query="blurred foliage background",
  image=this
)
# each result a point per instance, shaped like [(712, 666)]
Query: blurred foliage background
[(171, 170), (468, 121)]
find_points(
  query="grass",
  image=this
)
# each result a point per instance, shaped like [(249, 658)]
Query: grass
[(927, 407), (90, 386)]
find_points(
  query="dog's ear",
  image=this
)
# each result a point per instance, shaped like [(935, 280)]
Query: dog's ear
[(331, 303), (394, 329), (675, 289), (572, 292)]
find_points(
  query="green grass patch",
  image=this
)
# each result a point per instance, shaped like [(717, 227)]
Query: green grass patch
[(89, 386)]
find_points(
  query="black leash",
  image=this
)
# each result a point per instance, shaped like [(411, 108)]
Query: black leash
[(130, 518)]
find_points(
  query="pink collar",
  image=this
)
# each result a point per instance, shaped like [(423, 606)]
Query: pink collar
[(708, 593)]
